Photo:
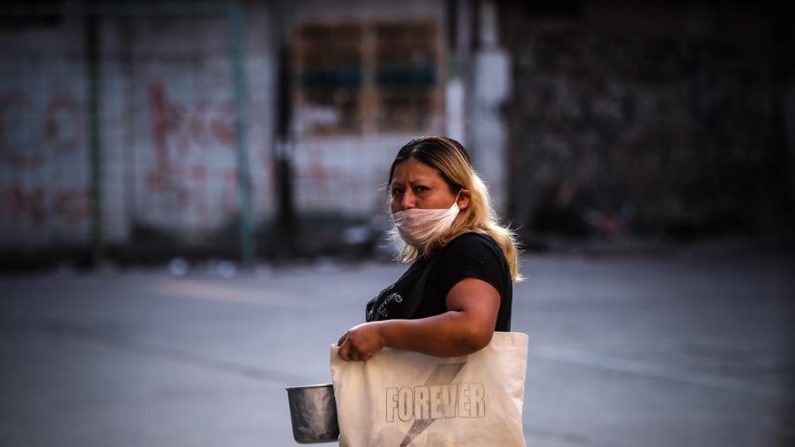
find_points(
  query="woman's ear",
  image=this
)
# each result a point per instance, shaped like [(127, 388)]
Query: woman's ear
[(463, 199)]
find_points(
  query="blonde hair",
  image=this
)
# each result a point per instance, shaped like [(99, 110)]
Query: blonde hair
[(452, 161)]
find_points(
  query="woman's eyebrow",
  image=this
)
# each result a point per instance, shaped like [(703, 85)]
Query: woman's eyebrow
[(417, 180)]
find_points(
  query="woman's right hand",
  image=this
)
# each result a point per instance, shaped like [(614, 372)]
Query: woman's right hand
[(361, 342)]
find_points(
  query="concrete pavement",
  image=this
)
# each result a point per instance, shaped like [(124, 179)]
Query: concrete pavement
[(665, 350)]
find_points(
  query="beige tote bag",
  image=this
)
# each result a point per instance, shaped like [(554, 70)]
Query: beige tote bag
[(402, 398)]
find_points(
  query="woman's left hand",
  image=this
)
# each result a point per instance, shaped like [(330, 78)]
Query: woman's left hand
[(361, 342)]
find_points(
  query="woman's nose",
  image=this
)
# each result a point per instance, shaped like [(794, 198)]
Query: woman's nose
[(407, 201)]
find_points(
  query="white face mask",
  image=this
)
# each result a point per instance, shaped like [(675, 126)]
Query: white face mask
[(416, 226)]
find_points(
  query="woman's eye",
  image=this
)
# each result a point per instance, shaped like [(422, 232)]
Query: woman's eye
[(396, 191), (420, 188)]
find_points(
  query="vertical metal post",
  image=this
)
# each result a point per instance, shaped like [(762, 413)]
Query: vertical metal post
[(244, 180), (94, 142), (286, 222)]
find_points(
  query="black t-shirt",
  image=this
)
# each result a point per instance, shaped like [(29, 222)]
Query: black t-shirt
[(470, 255)]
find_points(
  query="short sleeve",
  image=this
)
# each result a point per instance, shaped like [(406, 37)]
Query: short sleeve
[(470, 256)]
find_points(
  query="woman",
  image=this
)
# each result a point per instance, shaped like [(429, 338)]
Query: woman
[(442, 212)]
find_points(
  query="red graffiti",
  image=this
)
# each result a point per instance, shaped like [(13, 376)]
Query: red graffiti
[(69, 205), (197, 173), (169, 180), (165, 121), (186, 184), (19, 202), (60, 122), (178, 129), (63, 123), (196, 122), (72, 205), (222, 123), (179, 132)]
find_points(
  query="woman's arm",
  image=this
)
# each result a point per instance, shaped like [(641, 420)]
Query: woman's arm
[(466, 327)]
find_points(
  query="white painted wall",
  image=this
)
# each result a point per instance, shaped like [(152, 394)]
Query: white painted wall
[(167, 129)]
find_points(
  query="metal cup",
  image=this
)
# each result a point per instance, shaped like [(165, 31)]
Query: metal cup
[(313, 412)]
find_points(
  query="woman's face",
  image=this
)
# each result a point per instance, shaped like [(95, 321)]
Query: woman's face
[(417, 185)]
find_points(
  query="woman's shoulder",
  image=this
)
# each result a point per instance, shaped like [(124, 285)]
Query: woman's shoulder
[(476, 255), (471, 243), (472, 237)]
